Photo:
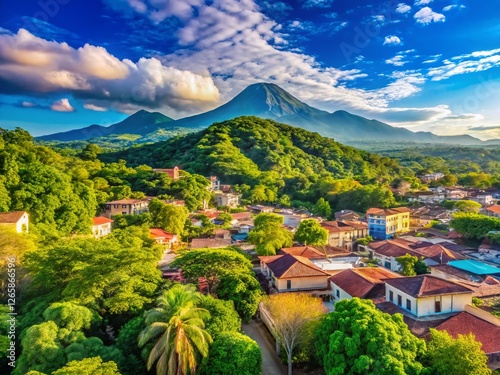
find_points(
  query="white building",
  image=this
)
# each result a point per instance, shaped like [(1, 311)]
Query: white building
[(101, 226), (17, 220)]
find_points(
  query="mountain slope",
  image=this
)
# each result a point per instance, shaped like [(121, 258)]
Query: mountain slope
[(251, 150), (141, 122), (270, 101)]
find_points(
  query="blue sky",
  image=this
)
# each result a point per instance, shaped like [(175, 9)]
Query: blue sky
[(425, 64)]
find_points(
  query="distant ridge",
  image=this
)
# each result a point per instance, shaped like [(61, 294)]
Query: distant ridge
[(269, 101)]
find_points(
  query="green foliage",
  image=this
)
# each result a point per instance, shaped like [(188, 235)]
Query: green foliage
[(421, 268), (228, 274), (115, 274), (362, 198), (473, 225), (460, 356), (168, 216), (269, 158), (126, 342), (268, 234), (468, 206), (90, 366), (124, 221), (233, 353), (322, 208), (407, 263), (357, 338), (365, 240), (226, 219), (223, 316), (310, 232), (176, 327)]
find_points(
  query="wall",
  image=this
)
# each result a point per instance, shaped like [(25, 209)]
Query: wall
[(304, 283), (342, 293)]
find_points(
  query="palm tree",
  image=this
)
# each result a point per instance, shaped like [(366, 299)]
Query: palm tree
[(177, 325)]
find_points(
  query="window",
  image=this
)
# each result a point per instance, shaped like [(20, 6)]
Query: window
[(437, 306), (124, 206), (400, 300), (115, 206), (391, 296), (337, 292), (289, 284), (408, 304), (124, 213)]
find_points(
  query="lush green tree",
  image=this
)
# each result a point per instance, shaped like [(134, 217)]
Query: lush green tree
[(473, 225), (115, 274), (460, 356), (124, 221), (233, 353), (421, 268), (310, 232), (168, 216), (468, 206), (226, 219), (362, 198), (474, 179), (365, 240), (269, 235), (322, 208), (127, 343), (90, 366), (223, 316), (290, 314), (448, 180), (407, 263), (357, 338), (177, 328)]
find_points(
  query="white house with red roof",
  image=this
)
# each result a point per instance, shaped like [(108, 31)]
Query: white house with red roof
[(162, 237), (101, 226), (17, 220)]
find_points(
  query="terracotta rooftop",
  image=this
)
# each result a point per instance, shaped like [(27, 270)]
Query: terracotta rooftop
[(426, 286), (359, 282), (241, 215), (288, 266), (439, 253), (100, 220), (391, 248), (490, 287), (303, 251), (160, 233), (464, 323), (452, 271), (11, 217), (387, 211), (495, 209), (213, 243)]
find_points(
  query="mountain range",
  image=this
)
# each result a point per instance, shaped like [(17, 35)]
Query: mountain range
[(269, 101)]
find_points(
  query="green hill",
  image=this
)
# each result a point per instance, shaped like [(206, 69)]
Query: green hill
[(250, 152)]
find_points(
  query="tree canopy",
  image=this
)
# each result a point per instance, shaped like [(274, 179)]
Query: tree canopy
[(310, 232), (268, 234)]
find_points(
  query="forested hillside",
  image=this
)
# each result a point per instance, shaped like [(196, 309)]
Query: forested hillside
[(269, 159)]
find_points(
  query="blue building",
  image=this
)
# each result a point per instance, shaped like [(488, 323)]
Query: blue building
[(386, 223)]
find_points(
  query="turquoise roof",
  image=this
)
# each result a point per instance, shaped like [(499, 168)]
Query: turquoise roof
[(474, 266)]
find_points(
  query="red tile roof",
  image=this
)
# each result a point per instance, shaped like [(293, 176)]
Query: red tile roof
[(241, 215), (495, 209), (358, 282), (303, 251), (387, 211), (213, 243), (288, 266), (427, 285), (100, 220), (391, 248), (11, 217), (464, 323), (160, 233)]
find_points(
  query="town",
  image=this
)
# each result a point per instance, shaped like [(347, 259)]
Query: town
[(433, 259)]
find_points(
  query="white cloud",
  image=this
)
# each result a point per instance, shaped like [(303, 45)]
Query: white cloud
[(403, 8), (426, 16), (392, 40), (422, 2), (29, 64), (318, 3), (93, 107), (467, 63), (62, 105), (398, 60), (454, 6)]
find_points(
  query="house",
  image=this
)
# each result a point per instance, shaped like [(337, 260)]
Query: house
[(222, 234), (226, 199), (427, 295), (344, 233), (485, 328), (427, 197), (455, 194), (484, 199), (475, 267), (125, 207), (347, 215), (162, 237), (363, 282), (386, 223), (314, 252), (492, 211), (101, 226), (431, 177), (173, 173), (17, 220), (210, 243), (214, 183), (386, 252), (289, 273)]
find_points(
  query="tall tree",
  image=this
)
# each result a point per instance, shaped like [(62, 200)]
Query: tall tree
[(168, 216), (460, 356), (357, 338), (407, 263), (290, 314), (177, 328), (322, 208), (310, 232), (269, 235)]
